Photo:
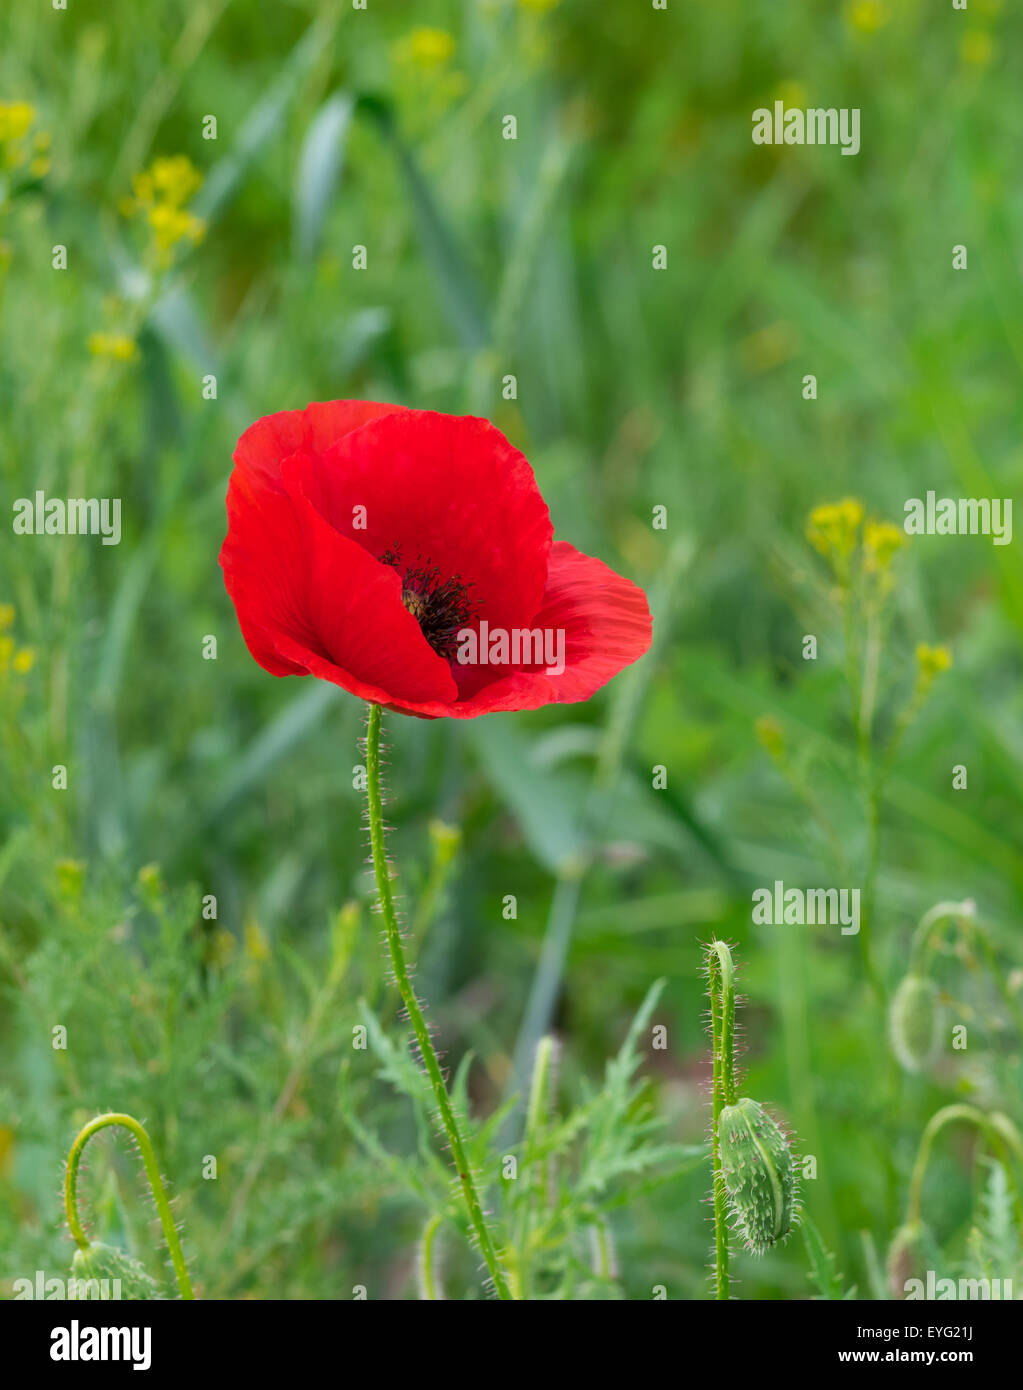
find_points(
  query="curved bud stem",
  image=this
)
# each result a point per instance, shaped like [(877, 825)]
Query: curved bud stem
[(925, 929), (156, 1186), (997, 1129)]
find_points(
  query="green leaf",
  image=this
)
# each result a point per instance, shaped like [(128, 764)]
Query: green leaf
[(547, 805), (319, 170), (461, 297), (263, 120), (822, 1263)]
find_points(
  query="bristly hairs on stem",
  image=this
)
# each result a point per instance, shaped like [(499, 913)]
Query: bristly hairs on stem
[(156, 1186), (428, 1054), (721, 992)]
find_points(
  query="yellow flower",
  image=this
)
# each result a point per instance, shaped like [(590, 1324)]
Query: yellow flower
[(6, 615), (881, 539), (977, 48), (425, 48), (832, 528), (931, 661), (175, 178), (791, 93), (867, 16), (116, 345), (39, 167), (257, 947), (150, 880), (23, 661), (171, 225), (15, 119), (70, 873)]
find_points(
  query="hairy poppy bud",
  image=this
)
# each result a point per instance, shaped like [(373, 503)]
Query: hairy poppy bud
[(106, 1262), (759, 1174), (914, 1023)]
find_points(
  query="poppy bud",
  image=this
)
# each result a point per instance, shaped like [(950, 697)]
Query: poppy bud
[(107, 1262), (759, 1174), (914, 1023)]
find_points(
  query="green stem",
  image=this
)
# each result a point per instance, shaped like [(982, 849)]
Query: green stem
[(428, 1282), (931, 919), (1001, 1137), (721, 988), (427, 1051), (155, 1183)]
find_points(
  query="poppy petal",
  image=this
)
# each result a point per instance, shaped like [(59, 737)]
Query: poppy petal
[(607, 626), (269, 441), (311, 602), (447, 492)]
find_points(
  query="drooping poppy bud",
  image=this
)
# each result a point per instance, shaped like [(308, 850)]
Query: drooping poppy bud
[(106, 1262), (914, 1023), (759, 1174)]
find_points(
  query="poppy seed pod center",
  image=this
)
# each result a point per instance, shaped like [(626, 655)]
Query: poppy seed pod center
[(441, 607)]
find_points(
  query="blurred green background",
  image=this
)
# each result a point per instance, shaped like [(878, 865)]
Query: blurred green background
[(636, 388)]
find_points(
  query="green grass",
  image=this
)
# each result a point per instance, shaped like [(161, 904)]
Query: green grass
[(636, 388)]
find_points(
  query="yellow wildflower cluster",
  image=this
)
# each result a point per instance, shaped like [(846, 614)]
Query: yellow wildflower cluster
[(867, 16), (426, 77), (115, 345), (20, 660), (425, 48), (70, 877), (159, 195), (977, 48), (834, 530), (18, 145), (833, 527), (931, 662), (881, 541)]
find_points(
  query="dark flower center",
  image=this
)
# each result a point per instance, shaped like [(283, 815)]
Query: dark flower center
[(440, 607)]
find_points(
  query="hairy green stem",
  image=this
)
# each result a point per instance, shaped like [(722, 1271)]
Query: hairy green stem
[(721, 989), (157, 1188), (396, 948)]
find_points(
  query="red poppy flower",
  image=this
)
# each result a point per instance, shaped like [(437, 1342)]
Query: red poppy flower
[(409, 557)]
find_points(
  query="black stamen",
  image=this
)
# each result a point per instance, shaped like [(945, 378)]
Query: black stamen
[(441, 608)]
